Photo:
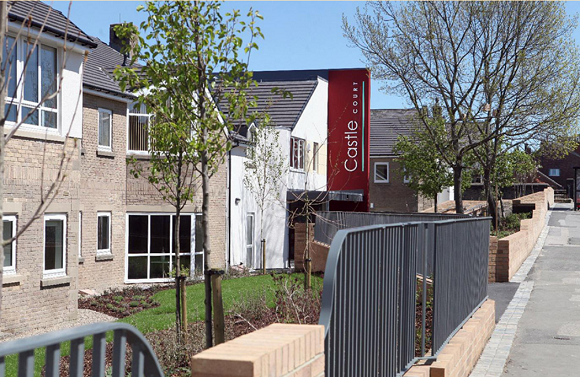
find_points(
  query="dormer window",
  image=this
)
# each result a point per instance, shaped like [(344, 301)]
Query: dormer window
[(33, 102)]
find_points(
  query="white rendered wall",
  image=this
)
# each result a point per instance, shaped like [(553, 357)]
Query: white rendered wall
[(312, 127)]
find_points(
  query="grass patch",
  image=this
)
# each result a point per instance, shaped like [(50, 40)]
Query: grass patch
[(163, 316)]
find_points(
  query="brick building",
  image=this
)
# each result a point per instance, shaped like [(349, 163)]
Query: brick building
[(388, 189), (104, 228)]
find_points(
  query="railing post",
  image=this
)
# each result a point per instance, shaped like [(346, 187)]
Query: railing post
[(26, 364), (119, 351), (99, 349), (53, 360)]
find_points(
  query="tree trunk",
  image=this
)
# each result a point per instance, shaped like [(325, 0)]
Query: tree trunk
[(206, 247), (178, 319), (457, 194), (435, 203), (489, 197), (2, 144)]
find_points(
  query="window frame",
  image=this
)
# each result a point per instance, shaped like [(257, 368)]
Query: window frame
[(130, 106), (315, 148), (19, 102), (109, 216), (99, 146), (80, 240), (148, 254), (11, 270), (57, 272), (375, 180), (553, 170), (300, 143)]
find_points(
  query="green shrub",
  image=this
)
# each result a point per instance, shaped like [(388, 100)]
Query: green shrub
[(134, 304), (118, 298)]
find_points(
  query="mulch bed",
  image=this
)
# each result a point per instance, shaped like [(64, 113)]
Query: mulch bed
[(121, 303)]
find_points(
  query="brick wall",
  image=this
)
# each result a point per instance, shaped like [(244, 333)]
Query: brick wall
[(103, 189), (318, 251), (459, 356), (506, 255), (28, 301), (140, 192), (277, 350), (395, 195)]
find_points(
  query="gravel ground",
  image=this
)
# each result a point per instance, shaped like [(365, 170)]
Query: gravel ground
[(86, 317)]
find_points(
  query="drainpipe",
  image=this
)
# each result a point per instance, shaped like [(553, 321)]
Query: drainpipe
[(229, 209)]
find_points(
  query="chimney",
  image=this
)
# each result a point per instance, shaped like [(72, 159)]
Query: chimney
[(118, 43)]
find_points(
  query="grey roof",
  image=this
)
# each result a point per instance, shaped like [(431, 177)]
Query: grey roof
[(50, 20), (386, 126), (283, 111), (98, 71)]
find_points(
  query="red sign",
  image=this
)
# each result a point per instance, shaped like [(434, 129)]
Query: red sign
[(349, 131)]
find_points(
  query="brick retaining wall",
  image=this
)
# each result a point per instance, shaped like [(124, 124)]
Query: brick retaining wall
[(506, 255), (460, 355)]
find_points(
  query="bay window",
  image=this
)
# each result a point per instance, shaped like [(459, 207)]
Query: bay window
[(151, 246), (34, 102)]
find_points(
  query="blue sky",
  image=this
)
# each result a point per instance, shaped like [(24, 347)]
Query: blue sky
[(298, 35)]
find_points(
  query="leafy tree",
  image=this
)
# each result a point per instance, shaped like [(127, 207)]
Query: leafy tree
[(506, 71), (428, 173), (192, 58), (264, 169)]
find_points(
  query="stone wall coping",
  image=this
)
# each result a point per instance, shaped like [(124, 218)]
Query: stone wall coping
[(275, 350)]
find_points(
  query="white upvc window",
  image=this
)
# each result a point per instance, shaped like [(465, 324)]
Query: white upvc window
[(150, 246), (381, 172), (406, 176), (10, 249), (250, 225), (54, 260), (103, 233), (138, 129), (105, 129), (32, 100), (315, 156), (296, 153), (80, 240)]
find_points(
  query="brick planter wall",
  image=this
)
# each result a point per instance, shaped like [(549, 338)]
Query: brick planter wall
[(459, 356), (318, 251), (506, 255), (276, 350)]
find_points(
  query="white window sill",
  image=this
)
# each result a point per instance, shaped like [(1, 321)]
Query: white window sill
[(294, 170), (36, 132), (103, 256), (105, 153), (11, 278), (52, 281)]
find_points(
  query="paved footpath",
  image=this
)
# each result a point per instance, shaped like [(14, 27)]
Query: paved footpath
[(539, 332)]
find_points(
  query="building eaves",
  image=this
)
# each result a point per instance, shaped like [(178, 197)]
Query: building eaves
[(43, 17)]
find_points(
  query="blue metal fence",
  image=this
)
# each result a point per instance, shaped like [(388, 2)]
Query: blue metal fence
[(330, 222), (370, 291), (143, 363)]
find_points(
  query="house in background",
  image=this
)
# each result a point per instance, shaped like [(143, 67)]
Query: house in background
[(389, 190), (323, 136), (301, 123)]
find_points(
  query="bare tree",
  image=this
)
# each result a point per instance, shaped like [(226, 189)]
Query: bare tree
[(501, 71)]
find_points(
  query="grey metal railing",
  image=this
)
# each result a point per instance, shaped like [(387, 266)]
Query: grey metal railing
[(143, 363), (370, 287), (330, 222)]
